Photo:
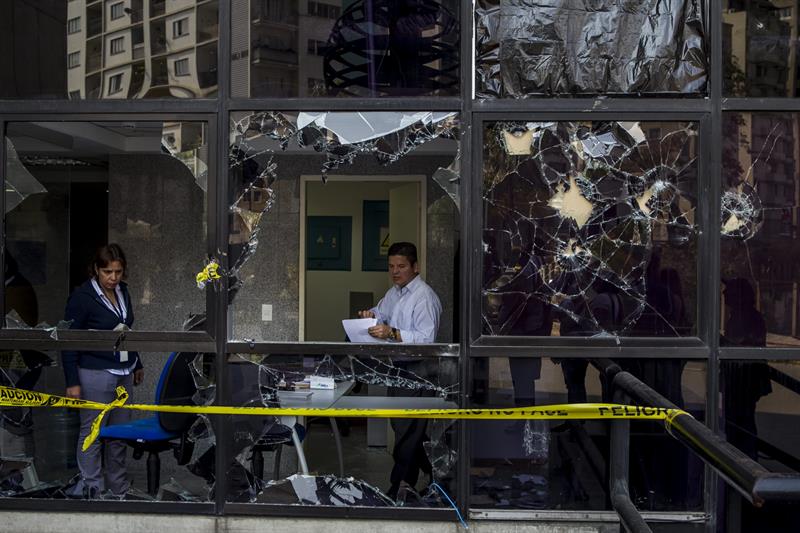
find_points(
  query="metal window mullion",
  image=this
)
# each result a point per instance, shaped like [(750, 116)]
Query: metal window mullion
[(712, 254), (465, 288), (92, 107), (222, 424)]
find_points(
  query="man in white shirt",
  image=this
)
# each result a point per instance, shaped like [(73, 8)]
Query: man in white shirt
[(410, 310), (409, 313)]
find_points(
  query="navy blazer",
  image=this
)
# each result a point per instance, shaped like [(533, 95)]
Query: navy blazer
[(87, 311)]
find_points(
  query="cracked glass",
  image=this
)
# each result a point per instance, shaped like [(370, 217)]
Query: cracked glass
[(72, 187), (528, 48), (345, 48), (563, 464), (760, 198), (88, 51), (759, 44), (332, 191), (342, 461), (589, 229), (39, 447)]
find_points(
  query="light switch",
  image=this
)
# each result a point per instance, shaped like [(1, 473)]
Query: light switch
[(266, 312)]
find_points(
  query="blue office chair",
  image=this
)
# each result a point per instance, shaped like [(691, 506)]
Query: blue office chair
[(164, 431)]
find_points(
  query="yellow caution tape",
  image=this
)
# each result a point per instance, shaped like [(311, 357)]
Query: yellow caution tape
[(208, 274), (583, 411)]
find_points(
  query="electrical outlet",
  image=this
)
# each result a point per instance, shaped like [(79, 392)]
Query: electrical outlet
[(266, 312)]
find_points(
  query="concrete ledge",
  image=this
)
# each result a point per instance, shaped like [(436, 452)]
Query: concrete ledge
[(44, 522)]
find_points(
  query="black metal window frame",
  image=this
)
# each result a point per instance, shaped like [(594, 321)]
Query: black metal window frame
[(706, 111)]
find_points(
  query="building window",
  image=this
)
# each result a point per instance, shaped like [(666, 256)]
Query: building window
[(323, 10), (115, 83), (74, 25), (180, 27), (182, 67), (73, 60), (117, 10), (117, 45), (317, 48)]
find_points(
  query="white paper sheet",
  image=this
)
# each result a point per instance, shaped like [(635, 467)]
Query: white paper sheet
[(356, 329)]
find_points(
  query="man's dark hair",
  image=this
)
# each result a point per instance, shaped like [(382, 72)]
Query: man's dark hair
[(406, 249)]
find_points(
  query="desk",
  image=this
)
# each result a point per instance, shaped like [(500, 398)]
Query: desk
[(318, 399), (393, 402)]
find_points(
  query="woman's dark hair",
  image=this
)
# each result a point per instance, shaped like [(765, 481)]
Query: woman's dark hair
[(105, 255)]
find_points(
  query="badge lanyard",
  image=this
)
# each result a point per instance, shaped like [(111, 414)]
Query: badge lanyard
[(121, 312)]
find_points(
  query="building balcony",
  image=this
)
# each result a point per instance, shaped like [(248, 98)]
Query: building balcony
[(263, 54)]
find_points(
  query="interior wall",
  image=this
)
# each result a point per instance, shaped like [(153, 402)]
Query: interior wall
[(327, 292), (156, 212)]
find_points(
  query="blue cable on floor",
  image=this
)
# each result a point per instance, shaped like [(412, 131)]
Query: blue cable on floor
[(452, 504)]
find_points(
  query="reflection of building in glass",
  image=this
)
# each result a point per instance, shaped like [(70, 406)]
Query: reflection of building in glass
[(759, 50), (768, 151), (278, 47), (142, 48)]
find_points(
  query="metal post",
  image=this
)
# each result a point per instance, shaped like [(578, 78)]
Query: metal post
[(619, 455)]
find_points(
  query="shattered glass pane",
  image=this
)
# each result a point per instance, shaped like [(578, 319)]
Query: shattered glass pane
[(342, 461), (86, 184), (354, 180), (535, 464), (359, 48), (759, 219), (186, 141), (39, 447), (760, 48), (560, 47), (589, 228), (19, 182)]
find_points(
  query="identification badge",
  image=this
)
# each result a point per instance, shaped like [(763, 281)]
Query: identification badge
[(123, 355)]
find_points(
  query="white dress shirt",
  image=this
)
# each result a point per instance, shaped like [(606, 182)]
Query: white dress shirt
[(413, 309)]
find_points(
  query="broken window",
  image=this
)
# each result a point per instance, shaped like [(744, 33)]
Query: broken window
[(43, 44), (589, 228), (363, 48), (342, 461), (759, 49), (39, 446), (74, 187), (759, 220), (526, 48), (317, 198), (563, 464)]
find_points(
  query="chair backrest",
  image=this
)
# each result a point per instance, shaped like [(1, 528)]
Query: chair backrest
[(176, 386)]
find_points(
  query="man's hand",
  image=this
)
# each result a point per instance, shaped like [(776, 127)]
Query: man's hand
[(381, 331), (138, 376), (366, 314), (74, 392)]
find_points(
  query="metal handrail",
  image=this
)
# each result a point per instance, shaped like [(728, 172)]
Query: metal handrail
[(755, 483)]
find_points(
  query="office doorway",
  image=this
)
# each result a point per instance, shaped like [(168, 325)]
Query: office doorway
[(347, 226)]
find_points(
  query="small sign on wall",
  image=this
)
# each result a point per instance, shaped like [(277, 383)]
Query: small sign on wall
[(328, 243)]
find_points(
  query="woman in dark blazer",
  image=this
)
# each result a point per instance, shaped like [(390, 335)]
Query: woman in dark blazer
[(103, 303)]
